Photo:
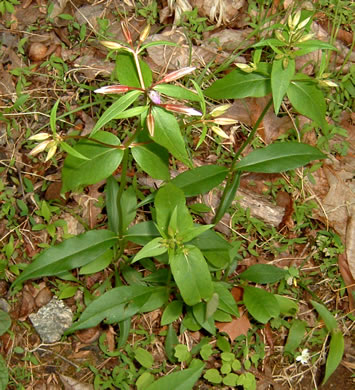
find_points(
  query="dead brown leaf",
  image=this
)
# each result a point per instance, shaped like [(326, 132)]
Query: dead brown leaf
[(236, 327), (348, 278), (27, 305), (72, 384), (88, 336), (247, 111)]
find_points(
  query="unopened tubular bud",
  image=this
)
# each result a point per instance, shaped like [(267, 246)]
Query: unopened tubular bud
[(219, 131), (328, 83), (115, 89), (144, 33), (182, 109), (177, 74), (220, 110), (51, 152), (224, 121), (39, 137), (150, 124), (112, 45), (305, 38), (279, 36), (246, 68), (40, 148), (126, 33), (303, 23)]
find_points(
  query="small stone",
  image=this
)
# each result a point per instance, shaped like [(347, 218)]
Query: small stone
[(52, 320)]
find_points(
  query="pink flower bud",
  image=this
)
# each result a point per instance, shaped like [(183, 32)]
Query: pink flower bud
[(115, 89), (154, 97), (150, 124), (181, 109), (177, 74), (126, 33)]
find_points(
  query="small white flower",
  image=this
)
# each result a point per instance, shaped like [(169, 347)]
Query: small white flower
[(304, 357)]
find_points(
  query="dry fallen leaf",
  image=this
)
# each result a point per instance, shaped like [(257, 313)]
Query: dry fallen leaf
[(72, 384), (236, 327)]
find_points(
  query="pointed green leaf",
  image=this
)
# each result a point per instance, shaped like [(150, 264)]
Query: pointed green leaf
[(177, 92), (5, 322), (199, 312), (335, 354), (167, 133), (53, 117), (227, 302), (191, 233), (142, 233), (308, 100), (171, 313), (167, 199), (191, 275), (143, 357), (152, 159), (126, 71), (238, 84), (261, 304), (181, 380), (111, 191), (327, 317), (115, 109), (295, 336), (4, 375), (103, 161), (70, 150), (129, 205), (116, 305), (280, 81), (263, 273), (71, 253), (279, 157), (153, 248), (288, 307)]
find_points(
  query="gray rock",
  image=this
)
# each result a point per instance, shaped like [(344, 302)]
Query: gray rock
[(52, 320)]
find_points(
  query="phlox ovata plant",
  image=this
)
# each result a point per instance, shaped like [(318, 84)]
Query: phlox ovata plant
[(188, 263)]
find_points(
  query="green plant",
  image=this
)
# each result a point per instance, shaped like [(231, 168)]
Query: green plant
[(8, 6), (191, 261)]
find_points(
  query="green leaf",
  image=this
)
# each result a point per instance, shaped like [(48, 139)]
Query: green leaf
[(152, 159), (280, 81), (200, 180), (261, 304), (335, 354), (111, 192), (5, 322), (98, 264), (177, 92), (143, 357), (181, 380), (167, 134), (214, 247), (116, 109), (327, 317), (157, 43), (263, 273), (153, 248), (126, 71), (228, 197), (167, 200), (134, 111), (129, 205), (171, 341), (103, 161), (279, 157), (196, 181), (115, 305), (72, 253), (238, 84), (212, 375), (316, 45), (199, 312), (288, 307), (53, 117), (70, 150), (308, 100), (189, 234), (191, 275), (227, 302), (182, 353), (144, 380), (171, 313), (142, 233), (295, 336), (4, 375)]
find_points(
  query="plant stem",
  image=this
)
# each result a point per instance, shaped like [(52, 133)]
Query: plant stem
[(233, 179), (139, 71)]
